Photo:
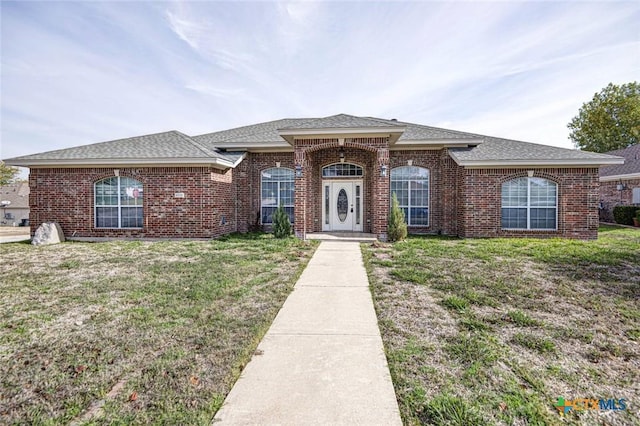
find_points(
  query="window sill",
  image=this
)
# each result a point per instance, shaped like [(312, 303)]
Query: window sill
[(111, 229), (529, 230)]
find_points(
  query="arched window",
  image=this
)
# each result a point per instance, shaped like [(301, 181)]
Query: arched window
[(277, 189), (118, 203), (341, 170), (529, 203), (411, 186)]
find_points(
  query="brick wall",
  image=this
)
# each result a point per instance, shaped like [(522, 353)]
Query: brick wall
[(464, 202), (611, 196), (207, 209), (249, 185), (320, 159), (443, 197), (313, 154), (480, 202)]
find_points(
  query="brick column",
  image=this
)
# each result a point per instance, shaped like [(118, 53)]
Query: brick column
[(300, 193), (448, 182), (380, 192), (244, 220)]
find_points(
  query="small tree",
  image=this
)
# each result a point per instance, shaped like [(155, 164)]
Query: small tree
[(7, 173), (281, 224), (397, 226)]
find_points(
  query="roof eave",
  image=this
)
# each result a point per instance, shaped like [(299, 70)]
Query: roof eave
[(218, 163), (240, 146), (446, 143), (626, 176)]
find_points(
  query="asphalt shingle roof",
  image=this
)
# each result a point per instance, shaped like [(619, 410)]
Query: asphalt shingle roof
[(166, 145), (419, 132), (631, 164), (17, 194), (176, 145), (505, 149), (341, 121), (261, 132)]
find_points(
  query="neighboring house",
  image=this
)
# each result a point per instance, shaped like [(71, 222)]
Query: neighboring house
[(330, 174), (14, 204), (620, 183)]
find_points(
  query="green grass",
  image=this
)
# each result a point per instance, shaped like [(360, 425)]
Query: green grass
[(521, 319), (455, 303), (530, 341), (448, 410), (492, 331), (171, 322)]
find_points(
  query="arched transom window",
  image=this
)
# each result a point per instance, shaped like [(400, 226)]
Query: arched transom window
[(529, 203), (118, 203), (277, 186), (341, 170), (411, 186)]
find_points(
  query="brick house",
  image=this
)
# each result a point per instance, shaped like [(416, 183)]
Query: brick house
[(620, 183), (331, 174), (14, 203)]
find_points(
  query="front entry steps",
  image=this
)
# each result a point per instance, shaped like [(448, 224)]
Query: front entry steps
[(342, 236)]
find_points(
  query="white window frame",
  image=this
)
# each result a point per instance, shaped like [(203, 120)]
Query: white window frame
[(409, 205), (528, 206), (357, 169), (119, 205), (279, 182)]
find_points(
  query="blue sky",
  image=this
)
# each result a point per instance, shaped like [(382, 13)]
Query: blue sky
[(81, 72)]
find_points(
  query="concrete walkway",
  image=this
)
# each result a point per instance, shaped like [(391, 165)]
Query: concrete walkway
[(322, 361)]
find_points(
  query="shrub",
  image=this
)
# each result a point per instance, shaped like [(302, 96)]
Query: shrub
[(281, 223), (397, 228), (624, 214)]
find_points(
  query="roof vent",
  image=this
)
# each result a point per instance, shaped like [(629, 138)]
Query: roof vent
[(394, 119)]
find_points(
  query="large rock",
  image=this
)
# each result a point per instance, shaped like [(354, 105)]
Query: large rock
[(48, 233)]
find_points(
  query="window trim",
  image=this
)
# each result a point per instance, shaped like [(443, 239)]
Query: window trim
[(119, 206), (409, 206), (292, 206), (528, 207)]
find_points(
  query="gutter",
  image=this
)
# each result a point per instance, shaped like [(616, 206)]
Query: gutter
[(570, 162)]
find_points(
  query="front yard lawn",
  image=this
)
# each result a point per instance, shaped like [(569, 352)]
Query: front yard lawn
[(494, 331), (135, 332)]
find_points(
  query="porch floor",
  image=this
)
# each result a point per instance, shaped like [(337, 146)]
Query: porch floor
[(342, 236)]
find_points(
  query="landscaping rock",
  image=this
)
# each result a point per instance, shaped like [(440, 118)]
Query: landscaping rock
[(48, 233)]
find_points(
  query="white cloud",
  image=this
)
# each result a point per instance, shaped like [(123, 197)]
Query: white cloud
[(78, 73)]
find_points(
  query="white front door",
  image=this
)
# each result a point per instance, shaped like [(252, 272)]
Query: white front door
[(342, 205)]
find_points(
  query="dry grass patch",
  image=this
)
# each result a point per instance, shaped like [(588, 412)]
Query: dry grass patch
[(135, 332), (494, 331)]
